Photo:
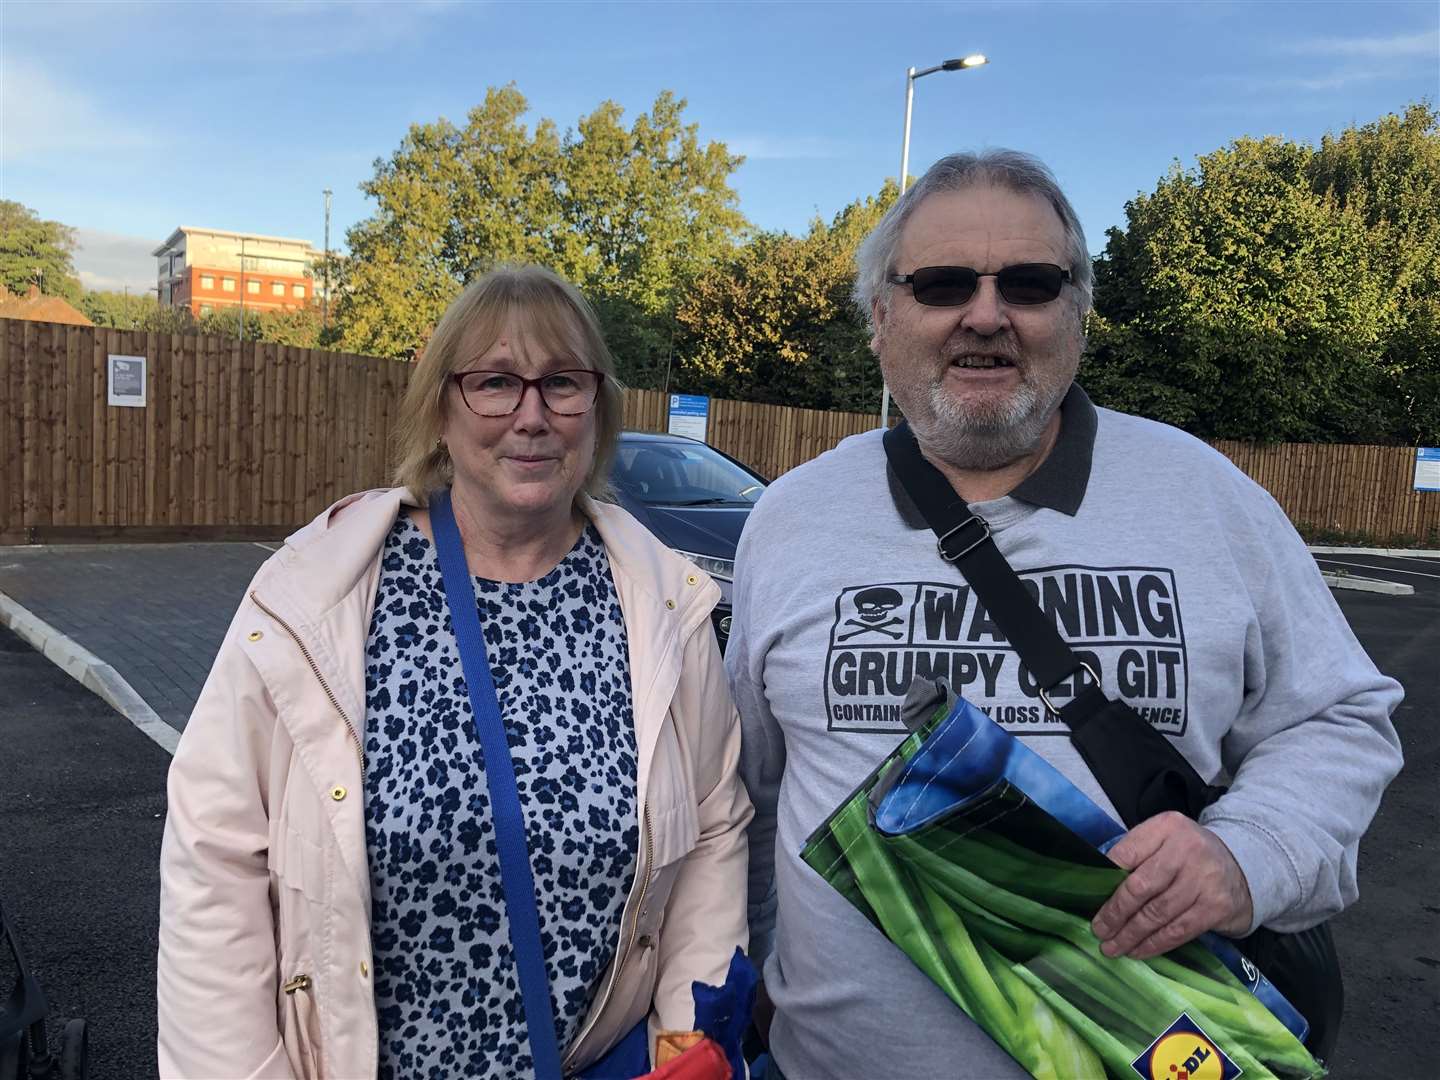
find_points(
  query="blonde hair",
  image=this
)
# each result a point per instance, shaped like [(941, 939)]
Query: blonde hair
[(548, 310)]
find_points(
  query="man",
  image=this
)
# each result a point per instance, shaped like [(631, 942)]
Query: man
[(1178, 579)]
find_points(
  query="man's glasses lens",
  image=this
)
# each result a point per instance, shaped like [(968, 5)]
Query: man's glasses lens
[(951, 286), (944, 286), (1030, 283), (498, 393)]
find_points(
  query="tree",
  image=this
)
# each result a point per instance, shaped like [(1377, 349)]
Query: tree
[(34, 251), (120, 310), (775, 323), (642, 342), (1253, 296), (299, 326), (1388, 172), (628, 214), (645, 208), (287, 326)]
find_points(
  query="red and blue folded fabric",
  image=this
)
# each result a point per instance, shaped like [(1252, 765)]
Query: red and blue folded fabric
[(712, 1052)]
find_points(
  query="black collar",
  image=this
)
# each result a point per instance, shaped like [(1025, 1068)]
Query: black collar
[(1062, 478)]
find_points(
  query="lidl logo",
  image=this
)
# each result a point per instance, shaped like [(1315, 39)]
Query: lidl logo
[(1184, 1052)]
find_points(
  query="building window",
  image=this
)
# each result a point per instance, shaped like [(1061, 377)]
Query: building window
[(227, 284), (252, 286), (277, 288), (207, 281), (297, 291), (206, 309)]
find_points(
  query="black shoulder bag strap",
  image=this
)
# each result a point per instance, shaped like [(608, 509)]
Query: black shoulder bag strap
[(1139, 769)]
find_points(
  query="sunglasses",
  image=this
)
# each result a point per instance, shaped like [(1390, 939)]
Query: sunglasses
[(950, 286)]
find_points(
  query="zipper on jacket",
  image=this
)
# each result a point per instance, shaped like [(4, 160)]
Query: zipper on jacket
[(628, 944), (299, 982), (644, 885), (359, 748)]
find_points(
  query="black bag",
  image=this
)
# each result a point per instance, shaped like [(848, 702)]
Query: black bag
[(24, 1047), (1139, 769)]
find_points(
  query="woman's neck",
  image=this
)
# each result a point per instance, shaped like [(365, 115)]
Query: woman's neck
[(510, 547)]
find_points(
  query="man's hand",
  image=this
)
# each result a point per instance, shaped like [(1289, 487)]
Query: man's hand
[(1183, 881)]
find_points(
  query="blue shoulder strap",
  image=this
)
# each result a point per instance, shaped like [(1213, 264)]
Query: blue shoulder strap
[(515, 875)]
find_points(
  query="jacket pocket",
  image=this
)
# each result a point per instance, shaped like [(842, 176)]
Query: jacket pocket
[(674, 817), (301, 1026), (298, 862), (299, 896)]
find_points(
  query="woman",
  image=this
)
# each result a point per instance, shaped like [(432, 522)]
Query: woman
[(332, 898)]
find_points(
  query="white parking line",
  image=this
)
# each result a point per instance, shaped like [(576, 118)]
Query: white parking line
[(1371, 566)]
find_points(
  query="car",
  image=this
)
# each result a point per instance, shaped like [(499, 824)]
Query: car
[(694, 498)]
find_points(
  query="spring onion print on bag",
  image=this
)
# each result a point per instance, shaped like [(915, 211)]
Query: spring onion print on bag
[(985, 865)]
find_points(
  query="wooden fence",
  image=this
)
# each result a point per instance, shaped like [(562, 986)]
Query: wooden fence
[(771, 439), (252, 440), (1356, 490), (248, 440)]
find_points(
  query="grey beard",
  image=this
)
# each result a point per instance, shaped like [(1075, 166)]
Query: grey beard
[(989, 442)]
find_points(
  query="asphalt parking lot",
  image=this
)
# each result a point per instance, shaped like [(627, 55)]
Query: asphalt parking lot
[(1389, 941), (82, 803)]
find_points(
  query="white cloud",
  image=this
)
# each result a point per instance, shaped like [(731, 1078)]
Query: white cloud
[(1334, 81), (39, 115), (788, 147), (216, 34), (1425, 43), (113, 261), (315, 30)]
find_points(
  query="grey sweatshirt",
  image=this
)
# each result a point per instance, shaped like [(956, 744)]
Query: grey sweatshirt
[(1182, 583)]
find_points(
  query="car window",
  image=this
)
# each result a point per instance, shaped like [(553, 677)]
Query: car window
[(671, 474)]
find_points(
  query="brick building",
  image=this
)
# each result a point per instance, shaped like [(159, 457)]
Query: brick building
[(202, 269)]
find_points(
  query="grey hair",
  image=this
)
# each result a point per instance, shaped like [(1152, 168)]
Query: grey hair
[(1010, 169)]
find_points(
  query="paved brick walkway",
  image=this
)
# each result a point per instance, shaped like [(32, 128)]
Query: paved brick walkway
[(155, 612)]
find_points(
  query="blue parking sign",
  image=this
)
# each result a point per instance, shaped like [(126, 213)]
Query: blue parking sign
[(1427, 468), (689, 415)]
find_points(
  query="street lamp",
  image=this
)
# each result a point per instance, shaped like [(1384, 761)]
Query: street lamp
[(242, 290), (959, 64), (325, 300), (272, 258)]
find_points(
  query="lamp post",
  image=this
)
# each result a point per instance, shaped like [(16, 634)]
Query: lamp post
[(269, 257), (959, 64), (325, 299), (242, 290)]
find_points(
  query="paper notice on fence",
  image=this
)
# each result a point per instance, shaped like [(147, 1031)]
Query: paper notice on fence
[(127, 381)]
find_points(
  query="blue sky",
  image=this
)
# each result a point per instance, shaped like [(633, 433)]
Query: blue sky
[(128, 119)]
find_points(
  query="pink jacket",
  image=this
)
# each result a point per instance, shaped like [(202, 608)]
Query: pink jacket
[(264, 963)]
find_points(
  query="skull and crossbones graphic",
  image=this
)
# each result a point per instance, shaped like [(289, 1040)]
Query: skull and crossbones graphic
[(875, 609)]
